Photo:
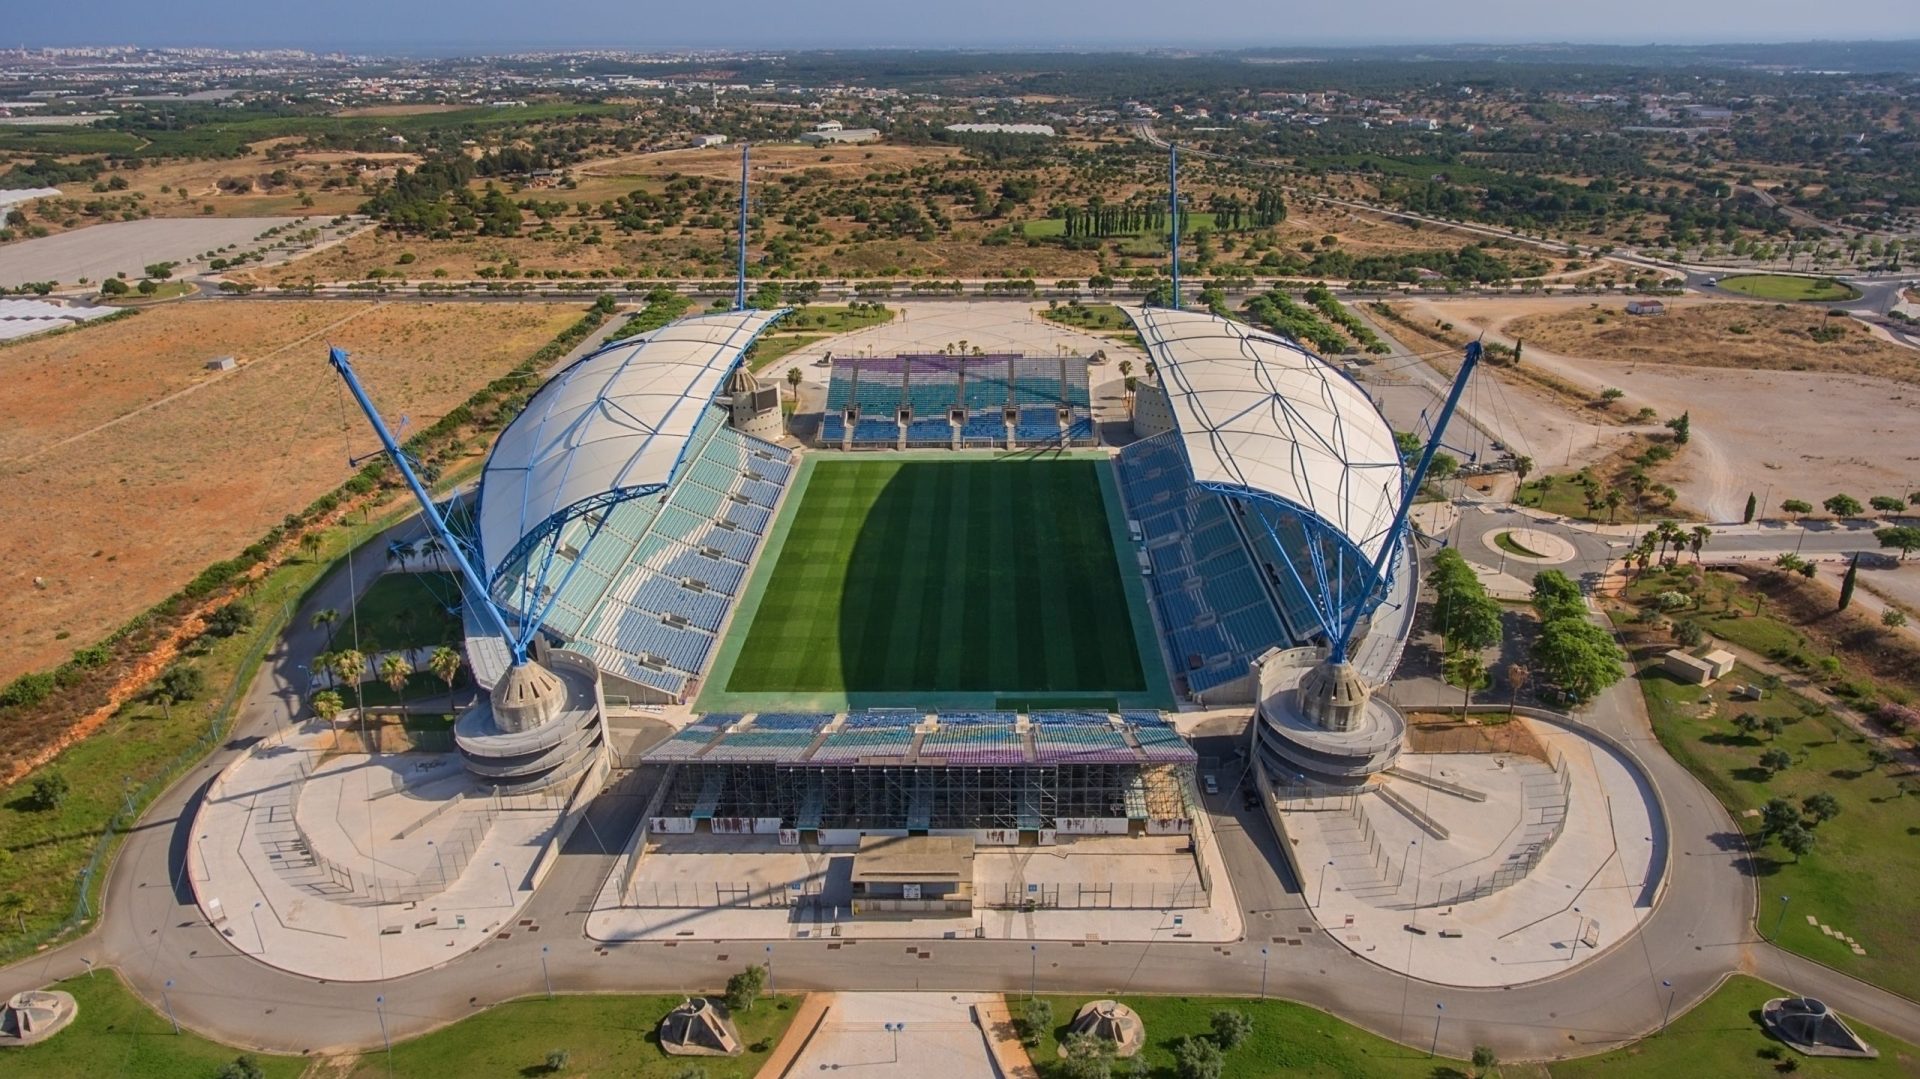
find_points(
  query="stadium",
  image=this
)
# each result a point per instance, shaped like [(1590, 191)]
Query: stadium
[(963, 607)]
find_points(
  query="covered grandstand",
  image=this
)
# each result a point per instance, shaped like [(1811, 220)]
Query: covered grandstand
[(1265, 510), (935, 399), (619, 512), (999, 776)]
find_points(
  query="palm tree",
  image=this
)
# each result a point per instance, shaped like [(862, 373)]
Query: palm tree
[(446, 662), (1612, 502), (310, 543), (349, 665), (399, 551), (325, 618), (395, 669), (327, 705), (1516, 679), (1697, 539)]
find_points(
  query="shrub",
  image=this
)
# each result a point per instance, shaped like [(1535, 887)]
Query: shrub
[(1035, 1021), (1197, 1058), (1230, 1028), (50, 790), (557, 1060), (744, 988), (244, 1067)]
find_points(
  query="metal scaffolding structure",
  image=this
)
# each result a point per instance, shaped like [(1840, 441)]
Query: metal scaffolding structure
[(929, 797)]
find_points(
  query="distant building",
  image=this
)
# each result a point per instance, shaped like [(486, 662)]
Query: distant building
[(1003, 129), (829, 125), (1646, 307), (701, 142), (845, 135), (222, 363)]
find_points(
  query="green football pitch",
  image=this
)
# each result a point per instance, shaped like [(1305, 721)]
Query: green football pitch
[(925, 576)]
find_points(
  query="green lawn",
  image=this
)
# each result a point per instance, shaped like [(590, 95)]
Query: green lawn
[(118, 1035), (1089, 316), (1563, 494), (1288, 1039), (1513, 546), (404, 610), (1861, 876), (1773, 286), (769, 349), (603, 1036), (833, 318), (1723, 1038), (945, 575)]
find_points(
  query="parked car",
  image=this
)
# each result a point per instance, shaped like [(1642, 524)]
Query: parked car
[(1210, 784)]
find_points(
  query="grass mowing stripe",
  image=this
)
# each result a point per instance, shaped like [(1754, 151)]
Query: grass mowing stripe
[(919, 576)]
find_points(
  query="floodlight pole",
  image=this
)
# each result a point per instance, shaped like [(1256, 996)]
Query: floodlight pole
[(338, 358), (740, 280), (1472, 360), (1173, 214)]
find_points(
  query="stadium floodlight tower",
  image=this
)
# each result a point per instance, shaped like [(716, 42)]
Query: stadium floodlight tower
[(536, 727)]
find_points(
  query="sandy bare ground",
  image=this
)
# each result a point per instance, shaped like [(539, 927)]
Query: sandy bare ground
[(1776, 434), (174, 467)]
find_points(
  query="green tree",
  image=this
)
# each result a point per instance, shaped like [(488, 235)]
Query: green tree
[(1820, 807), (113, 286), (1893, 618), (1197, 1058), (1556, 595), (1904, 537), (1230, 1028), (1888, 503), (1088, 1057), (1843, 505), (1578, 656), (1682, 428), (745, 987), (1798, 840), (1847, 582), (1776, 760), (229, 619), (49, 790), (242, 1067), (1777, 816), (1036, 1020), (1485, 1061), (1753, 506), (445, 663)]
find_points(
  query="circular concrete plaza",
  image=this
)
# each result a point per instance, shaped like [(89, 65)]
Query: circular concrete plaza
[(1530, 545)]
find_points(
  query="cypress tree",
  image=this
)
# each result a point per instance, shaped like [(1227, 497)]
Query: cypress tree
[(1846, 583), (1752, 505)]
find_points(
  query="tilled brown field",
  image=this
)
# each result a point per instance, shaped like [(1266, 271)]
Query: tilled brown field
[(125, 468)]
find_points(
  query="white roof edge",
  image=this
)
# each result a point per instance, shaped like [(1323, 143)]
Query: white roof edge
[(615, 420), (1256, 411)]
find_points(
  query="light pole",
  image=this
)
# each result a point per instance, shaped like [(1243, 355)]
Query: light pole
[(895, 1029), (1668, 1014), (1439, 1010), (1579, 924), (1033, 970), (206, 871), (770, 989), (543, 971), (256, 927), (504, 879), (1263, 974), (379, 1009), (89, 964), (1780, 921), (1321, 891), (168, 1001)]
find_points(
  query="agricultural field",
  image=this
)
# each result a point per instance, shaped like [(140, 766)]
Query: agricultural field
[(125, 468), (1741, 335)]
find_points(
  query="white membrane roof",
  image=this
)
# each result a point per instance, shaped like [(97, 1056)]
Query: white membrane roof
[(1258, 412), (612, 424)]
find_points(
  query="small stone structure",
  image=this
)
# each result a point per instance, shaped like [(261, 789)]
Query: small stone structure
[(1810, 1027), (1701, 670), (700, 1028), (35, 1015), (1110, 1021)]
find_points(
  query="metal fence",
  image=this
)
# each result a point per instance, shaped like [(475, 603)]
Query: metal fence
[(696, 895), (1101, 895)]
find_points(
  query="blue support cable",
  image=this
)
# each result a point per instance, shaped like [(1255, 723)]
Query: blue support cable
[(338, 358), (1397, 528)]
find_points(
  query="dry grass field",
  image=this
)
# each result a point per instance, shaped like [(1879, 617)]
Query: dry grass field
[(125, 468), (1749, 336)]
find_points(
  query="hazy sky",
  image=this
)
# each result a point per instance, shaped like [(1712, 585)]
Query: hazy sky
[(503, 25)]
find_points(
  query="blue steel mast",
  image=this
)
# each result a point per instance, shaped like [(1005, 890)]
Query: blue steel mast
[(454, 549), (740, 282), (1173, 213), (1339, 650)]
